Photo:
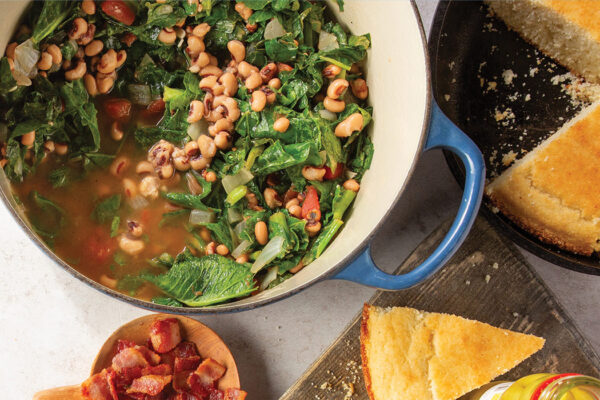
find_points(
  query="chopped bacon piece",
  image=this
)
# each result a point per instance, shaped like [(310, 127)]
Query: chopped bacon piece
[(129, 358), (180, 381), (150, 356), (123, 344), (186, 363), (186, 349), (111, 377), (96, 387), (126, 376), (149, 384), (216, 394), (198, 387), (165, 334), (183, 396), (234, 394), (209, 371), (161, 369)]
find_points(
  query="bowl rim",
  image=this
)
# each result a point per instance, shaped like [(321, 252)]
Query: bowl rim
[(233, 306)]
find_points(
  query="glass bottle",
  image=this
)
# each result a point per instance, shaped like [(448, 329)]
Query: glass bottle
[(542, 387)]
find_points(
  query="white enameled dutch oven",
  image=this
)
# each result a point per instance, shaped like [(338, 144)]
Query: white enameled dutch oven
[(406, 122)]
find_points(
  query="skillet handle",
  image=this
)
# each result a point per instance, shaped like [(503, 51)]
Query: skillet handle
[(442, 134)]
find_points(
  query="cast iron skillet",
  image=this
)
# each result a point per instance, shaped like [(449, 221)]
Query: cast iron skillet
[(469, 51)]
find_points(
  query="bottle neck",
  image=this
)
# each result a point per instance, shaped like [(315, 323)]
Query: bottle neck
[(571, 387)]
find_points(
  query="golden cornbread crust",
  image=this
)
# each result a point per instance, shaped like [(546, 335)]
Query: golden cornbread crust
[(553, 191), (412, 354), (566, 30)]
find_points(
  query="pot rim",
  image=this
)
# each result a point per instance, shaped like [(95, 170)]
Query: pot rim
[(233, 307)]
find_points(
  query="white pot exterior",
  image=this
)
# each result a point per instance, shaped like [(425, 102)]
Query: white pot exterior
[(397, 76)]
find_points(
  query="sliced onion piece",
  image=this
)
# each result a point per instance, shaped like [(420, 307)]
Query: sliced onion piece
[(139, 94), (138, 202), (239, 228), (268, 253), (202, 217), (234, 215), (327, 41), (241, 248), (26, 58), (197, 128), (230, 182), (328, 115), (274, 29), (268, 278)]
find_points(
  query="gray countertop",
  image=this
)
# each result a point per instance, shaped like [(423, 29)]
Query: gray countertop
[(52, 325)]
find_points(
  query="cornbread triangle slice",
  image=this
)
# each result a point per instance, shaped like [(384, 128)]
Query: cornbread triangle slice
[(554, 191), (409, 354), (566, 30)]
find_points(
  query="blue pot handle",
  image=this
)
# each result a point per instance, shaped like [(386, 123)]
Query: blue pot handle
[(442, 134)]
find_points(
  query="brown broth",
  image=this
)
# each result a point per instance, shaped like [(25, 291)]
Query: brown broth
[(87, 245)]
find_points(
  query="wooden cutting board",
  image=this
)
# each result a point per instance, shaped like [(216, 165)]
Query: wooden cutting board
[(487, 280)]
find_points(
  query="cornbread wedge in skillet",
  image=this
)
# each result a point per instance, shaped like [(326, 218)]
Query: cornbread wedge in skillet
[(409, 354), (554, 192), (566, 30)]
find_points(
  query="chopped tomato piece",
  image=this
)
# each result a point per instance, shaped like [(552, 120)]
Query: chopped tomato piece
[(118, 10), (118, 109), (99, 246), (311, 202), (339, 168)]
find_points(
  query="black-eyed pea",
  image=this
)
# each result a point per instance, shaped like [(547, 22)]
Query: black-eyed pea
[(76, 73), (353, 123), (220, 125), (94, 48), (56, 54), (166, 171), (275, 83), (210, 176), (311, 173), (337, 88), (297, 268), (67, 64), (200, 62), (133, 247), (351, 184), (191, 149), (135, 228), (129, 188), (49, 146), (208, 83), (28, 139), (230, 84), (207, 146), (88, 7), (79, 54), (121, 58), (119, 166), (222, 250), (331, 71), (242, 259), (90, 84), (281, 124), (269, 93), (181, 160), (258, 101), (253, 81), (205, 234), (261, 232), (334, 105), (167, 36), (211, 70), (210, 248), (222, 140), (195, 45), (10, 50), (61, 148), (272, 198), (45, 62), (105, 84), (201, 30), (232, 108), (108, 62), (144, 167), (292, 202), (78, 29), (237, 50), (245, 69), (243, 10), (196, 111), (214, 61), (359, 88), (149, 187), (199, 163), (268, 72), (87, 37), (295, 211), (313, 228), (116, 133)]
